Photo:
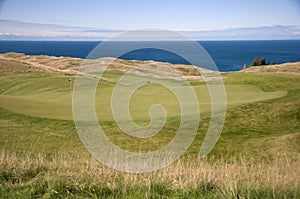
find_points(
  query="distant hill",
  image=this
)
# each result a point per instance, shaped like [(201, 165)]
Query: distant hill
[(20, 63)]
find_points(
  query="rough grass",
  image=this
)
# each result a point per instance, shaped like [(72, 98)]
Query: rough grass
[(51, 61), (293, 68), (15, 67), (62, 176)]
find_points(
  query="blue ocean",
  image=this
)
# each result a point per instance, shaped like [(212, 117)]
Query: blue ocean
[(227, 55)]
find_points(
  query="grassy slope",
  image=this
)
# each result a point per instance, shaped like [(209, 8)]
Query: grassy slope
[(259, 131)]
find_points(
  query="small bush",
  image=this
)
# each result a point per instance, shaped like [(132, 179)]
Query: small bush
[(255, 62), (260, 62)]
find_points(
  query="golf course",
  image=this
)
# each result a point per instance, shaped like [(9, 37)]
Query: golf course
[(42, 156)]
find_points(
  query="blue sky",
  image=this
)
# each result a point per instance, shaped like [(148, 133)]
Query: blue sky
[(178, 15)]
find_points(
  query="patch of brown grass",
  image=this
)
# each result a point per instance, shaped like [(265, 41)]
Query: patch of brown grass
[(13, 67), (186, 173), (278, 68), (69, 65)]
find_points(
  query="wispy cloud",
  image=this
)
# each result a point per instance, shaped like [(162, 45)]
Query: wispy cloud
[(17, 30), (31, 31), (256, 33)]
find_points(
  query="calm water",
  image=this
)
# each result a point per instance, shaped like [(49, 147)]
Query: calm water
[(228, 55)]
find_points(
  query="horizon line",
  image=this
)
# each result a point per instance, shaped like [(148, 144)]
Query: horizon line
[(75, 40)]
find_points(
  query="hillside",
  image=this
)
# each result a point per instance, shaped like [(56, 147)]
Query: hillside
[(70, 66), (42, 155)]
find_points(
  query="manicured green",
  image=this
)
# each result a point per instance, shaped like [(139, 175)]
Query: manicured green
[(51, 97)]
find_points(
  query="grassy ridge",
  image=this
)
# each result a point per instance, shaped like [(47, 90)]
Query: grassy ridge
[(257, 155)]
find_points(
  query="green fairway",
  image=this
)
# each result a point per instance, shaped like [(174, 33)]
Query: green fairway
[(51, 97)]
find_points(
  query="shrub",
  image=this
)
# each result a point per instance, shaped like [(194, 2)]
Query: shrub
[(260, 61), (255, 62)]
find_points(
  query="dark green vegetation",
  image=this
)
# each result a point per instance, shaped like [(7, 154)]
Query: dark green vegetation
[(257, 155), (260, 62)]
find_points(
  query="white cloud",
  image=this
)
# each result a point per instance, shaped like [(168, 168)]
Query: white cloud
[(16, 30), (23, 30), (256, 33)]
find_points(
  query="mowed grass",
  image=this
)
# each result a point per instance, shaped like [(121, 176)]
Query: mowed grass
[(51, 97), (257, 155)]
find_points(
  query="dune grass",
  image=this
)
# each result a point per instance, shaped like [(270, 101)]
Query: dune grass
[(65, 177), (257, 155)]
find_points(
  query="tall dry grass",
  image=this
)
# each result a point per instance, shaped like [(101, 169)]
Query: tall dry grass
[(280, 172)]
